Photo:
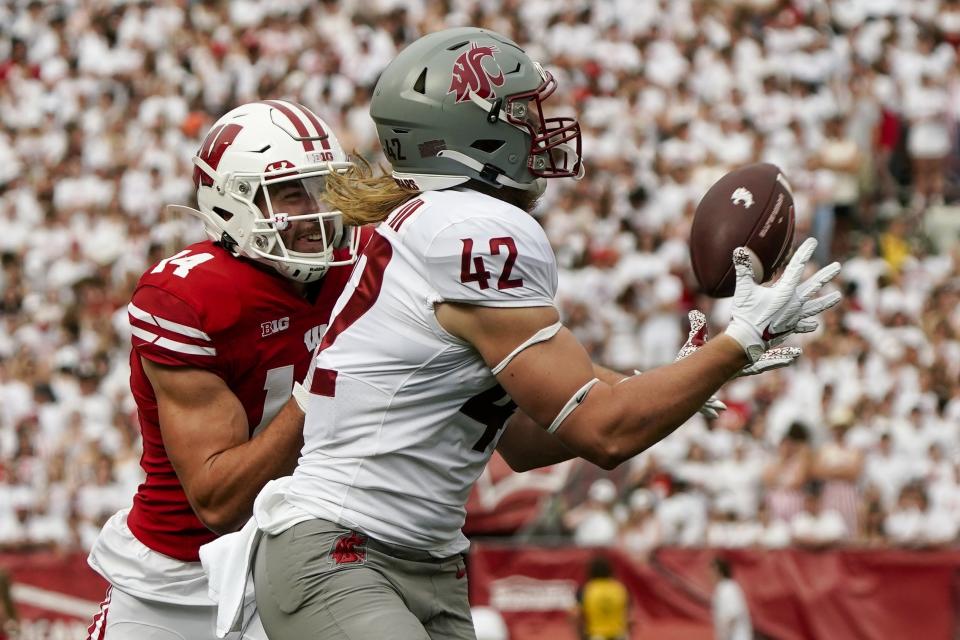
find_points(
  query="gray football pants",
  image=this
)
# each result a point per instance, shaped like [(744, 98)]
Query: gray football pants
[(318, 580)]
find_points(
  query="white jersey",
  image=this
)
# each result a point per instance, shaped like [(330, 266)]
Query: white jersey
[(403, 416)]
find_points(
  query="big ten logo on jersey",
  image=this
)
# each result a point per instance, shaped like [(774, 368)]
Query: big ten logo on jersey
[(320, 156), (311, 337), (274, 326)]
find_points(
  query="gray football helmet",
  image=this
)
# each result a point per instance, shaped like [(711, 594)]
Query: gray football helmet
[(467, 104)]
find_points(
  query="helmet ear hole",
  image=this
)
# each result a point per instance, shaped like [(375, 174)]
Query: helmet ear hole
[(223, 213), (487, 146), (420, 86), (228, 242)]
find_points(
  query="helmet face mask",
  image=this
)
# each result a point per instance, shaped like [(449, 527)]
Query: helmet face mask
[(551, 154), (468, 104), (251, 155)]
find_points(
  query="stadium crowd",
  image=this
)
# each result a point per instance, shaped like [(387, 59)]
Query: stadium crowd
[(102, 104)]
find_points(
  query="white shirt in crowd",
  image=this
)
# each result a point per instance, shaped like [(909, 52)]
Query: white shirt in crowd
[(683, 519), (731, 617), (913, 527), (826, 527), (488, 624)]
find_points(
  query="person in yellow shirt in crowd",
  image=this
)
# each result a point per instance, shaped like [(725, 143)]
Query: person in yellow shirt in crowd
[(603, 604), (894, 245)]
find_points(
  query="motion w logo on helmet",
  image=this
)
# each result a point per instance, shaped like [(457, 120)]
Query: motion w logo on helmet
[(212, 150), (469, 73)]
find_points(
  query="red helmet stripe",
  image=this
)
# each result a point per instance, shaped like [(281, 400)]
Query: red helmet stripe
[(212, 150), (312, 117), (208, 142), (298, 124)]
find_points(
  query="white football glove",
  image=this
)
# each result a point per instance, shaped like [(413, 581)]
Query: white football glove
[(696, 339), (775, 358), (811, 307), (762, 315)]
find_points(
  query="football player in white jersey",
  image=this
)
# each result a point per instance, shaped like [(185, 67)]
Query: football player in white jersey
[(447, 325)]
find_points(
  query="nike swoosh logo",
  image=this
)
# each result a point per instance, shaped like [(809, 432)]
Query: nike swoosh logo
[(768, 335), (581, 396)]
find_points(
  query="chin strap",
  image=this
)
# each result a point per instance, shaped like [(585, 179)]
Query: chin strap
[(488, 173)]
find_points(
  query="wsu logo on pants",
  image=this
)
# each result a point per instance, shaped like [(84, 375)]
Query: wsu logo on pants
[(350, 548), (469, 73)]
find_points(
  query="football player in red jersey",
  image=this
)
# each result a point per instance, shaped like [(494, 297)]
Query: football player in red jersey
[(220, 332)]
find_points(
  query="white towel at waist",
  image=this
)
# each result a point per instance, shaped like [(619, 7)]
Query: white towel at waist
[(227, 560)]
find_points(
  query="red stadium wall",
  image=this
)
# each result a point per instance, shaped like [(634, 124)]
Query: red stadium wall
[(56, 595), (793, 594)]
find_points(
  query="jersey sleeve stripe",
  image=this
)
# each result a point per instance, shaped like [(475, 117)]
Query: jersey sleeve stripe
[(403, 213), (324, 382), (163, 323), (171, 345)]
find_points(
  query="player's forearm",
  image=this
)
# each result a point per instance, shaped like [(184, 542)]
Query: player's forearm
[(616, 422), (525, 445), (235, 476)]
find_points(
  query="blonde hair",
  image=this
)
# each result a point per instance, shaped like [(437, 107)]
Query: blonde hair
[(362, 197)]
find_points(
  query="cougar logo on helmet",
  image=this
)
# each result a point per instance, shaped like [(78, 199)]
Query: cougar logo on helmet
[(469, 73)]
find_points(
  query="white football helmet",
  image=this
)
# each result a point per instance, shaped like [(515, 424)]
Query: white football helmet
[(251, 148)]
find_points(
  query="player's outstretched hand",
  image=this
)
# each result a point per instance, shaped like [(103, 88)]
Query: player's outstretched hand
[(765, 315), (696, 339), (773, 358)]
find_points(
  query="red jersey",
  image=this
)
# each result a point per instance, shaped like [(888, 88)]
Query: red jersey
[(204, 308)]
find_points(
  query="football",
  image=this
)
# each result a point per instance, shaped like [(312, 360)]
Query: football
[(751, 207)]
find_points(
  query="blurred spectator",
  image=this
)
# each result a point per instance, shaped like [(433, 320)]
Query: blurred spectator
[(816, 525), (683, 516), (488, 624), (593, 523), (838, 467), (873, 517), (640, 533), (731, 616), (786, 476), (837, 169), (928, 141), (775, 533), (603, 604), (729, 530), (914, 523), (735, 480), (887, 471)]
